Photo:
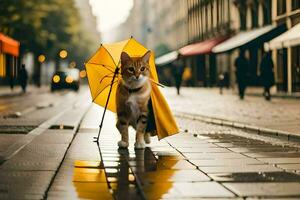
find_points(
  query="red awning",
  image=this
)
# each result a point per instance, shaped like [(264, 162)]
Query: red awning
[(9, 45), (203, 47)]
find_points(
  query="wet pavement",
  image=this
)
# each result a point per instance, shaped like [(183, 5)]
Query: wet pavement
[(278, 114), (203, 161), (22, 113), (57, 159)]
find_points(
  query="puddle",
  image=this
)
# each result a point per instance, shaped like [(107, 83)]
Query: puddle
[(61, 127), (15, 129), (256, 177), (13, 115)]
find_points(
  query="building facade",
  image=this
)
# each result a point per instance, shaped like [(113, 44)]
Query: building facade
[(184, 26), (208, 21), (287, 60)]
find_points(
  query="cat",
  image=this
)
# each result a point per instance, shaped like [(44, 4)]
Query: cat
[(133, 95)]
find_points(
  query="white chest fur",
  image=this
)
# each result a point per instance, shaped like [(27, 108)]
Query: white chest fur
[(137, 99)]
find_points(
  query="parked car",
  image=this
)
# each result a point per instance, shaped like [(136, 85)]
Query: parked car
[(65, 79)]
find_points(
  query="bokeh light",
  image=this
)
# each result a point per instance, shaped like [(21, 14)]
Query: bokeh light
[(82, 74), (63, 54), (41, 58), (56, 79), (72, 64), (69, 79)]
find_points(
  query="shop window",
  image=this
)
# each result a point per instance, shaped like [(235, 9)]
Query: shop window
[(267, 6), (281, 7), (2, 65), (254, 14), (243, 17), (281, 81), (296, 69), (295, 4)]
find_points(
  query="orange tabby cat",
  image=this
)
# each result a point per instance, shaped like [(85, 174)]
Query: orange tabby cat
[(133, 94)]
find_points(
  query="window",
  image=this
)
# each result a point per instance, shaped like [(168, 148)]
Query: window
[(267, 6), (281, 7), (296, 69), (254, 14), (295, 4), (243, 14)]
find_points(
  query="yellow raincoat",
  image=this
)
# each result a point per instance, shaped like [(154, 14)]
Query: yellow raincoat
[(100, 69)]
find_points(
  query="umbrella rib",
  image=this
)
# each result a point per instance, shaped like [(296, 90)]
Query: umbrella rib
[(111, 57), (104, 89), (105, 66), (157, 83), (106, 76)]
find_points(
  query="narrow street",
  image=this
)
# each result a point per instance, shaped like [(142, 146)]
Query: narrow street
[(56, 157)]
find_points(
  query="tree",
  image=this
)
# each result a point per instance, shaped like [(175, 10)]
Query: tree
[(45, 27)]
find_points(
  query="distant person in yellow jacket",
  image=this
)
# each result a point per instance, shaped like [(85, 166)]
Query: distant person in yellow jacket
[(187, 75)]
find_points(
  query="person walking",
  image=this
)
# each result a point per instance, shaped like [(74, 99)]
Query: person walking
[(241, 64), (178, 72), (23, 77), (267, 74)]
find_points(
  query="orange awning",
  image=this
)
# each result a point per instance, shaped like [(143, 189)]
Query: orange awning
[(9, 45), (203, 47)]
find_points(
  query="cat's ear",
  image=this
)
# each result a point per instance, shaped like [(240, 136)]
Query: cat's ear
[(124, 58), (146, 56)]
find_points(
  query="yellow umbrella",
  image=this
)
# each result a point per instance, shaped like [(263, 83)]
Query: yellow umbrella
[(103, 76)]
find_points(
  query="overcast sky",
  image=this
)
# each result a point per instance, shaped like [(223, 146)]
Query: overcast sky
[(110, 13)]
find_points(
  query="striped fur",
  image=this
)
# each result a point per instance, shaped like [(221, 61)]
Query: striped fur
[(132, 107)]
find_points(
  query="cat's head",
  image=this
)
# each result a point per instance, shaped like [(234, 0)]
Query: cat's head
[(135, 70)]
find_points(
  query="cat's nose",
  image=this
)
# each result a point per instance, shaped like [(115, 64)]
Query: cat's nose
[(137, 76)]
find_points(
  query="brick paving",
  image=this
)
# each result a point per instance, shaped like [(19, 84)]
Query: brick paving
[(203, 161), (29, 163), (278, 114)]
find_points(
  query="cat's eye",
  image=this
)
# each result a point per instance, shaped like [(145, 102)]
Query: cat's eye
[(142, 69), (131, 69)]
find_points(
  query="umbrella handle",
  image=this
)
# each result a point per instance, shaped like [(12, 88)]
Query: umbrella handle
[(106, 104)]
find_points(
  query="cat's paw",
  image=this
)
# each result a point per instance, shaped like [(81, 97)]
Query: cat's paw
[(147, 138), (123, 144), (139, 145)]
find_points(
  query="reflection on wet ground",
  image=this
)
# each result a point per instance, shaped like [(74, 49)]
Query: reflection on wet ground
[(183, 166)]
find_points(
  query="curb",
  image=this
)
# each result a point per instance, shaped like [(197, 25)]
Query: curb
[(254, 129), (283, 96)]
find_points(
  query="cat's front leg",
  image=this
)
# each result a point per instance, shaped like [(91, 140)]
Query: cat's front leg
[(122, 126), (140, 132)]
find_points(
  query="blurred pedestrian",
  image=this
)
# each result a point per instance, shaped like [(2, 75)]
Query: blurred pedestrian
[(241, 64), (23, 77), (221, 81), (267, 74), (177, 72)]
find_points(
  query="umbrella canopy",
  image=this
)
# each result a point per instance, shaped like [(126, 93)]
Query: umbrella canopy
[(101, 68)]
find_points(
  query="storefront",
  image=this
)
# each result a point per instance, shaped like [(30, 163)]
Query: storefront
[(202, 62), (286, 47), (165, 67), (9, 51), (252, 41)]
